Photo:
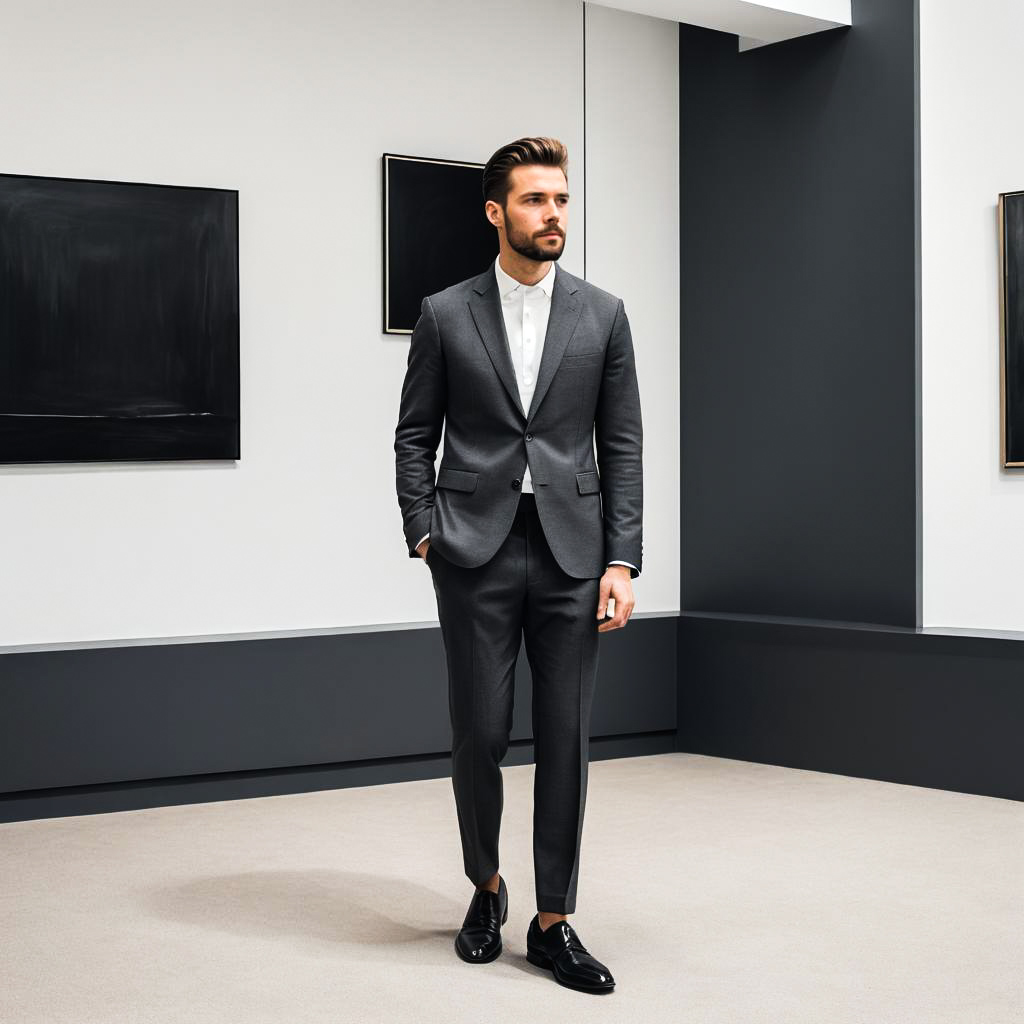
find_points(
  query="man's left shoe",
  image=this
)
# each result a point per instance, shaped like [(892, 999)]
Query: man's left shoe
[(559, 950)]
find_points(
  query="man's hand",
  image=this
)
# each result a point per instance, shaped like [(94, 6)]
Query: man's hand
[(422, 549), (618, 584)]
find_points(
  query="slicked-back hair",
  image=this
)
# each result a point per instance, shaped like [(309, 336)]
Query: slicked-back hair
[(541, 150)]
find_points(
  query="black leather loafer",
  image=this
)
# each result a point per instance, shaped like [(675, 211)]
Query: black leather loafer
[(479, 939), (559, 950)]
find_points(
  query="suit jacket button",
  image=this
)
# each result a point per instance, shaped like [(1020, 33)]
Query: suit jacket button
[(516, 483), (529, 437)]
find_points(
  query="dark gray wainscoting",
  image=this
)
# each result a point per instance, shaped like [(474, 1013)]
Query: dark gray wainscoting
[(921, 707), (113, 728)]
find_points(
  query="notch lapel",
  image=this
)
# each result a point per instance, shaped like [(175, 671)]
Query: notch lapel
[(562, 319), (485, 307)]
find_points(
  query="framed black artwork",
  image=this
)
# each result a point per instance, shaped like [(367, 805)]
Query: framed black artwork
[(1011, 321), (119, 321), (435, 232)]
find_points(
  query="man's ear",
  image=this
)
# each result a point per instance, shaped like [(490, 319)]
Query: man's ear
[(493, 213)]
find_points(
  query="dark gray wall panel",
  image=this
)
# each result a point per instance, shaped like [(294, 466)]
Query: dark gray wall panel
[(126, 796), (115, 714), (895, 704), (798, 319)]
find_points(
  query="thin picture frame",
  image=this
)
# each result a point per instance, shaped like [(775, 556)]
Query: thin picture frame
[(1011, 328)]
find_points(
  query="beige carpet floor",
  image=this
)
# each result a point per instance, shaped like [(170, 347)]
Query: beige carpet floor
[(715, 891)]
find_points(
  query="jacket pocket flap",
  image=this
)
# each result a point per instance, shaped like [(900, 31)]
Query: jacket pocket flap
[(588, 483), (457, 479)]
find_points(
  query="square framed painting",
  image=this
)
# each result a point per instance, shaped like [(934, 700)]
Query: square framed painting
[(119, 321), (435, 232)]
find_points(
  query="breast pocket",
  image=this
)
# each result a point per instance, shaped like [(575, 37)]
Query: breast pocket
[(584, 358)]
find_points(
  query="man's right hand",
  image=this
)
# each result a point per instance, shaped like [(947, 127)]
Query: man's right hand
[(422, 549)]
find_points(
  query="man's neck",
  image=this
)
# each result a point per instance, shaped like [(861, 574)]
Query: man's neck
[(523, 270)]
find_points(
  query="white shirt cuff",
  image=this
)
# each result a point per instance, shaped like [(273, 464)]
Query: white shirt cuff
[(630, 564)]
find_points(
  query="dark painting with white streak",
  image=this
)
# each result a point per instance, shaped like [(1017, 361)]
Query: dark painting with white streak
[(119, 331)]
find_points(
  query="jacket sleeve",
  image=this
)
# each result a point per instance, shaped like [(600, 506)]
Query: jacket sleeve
[(420, 420), (619, 438)]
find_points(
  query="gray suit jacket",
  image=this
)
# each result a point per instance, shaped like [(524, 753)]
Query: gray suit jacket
[(460, 375)]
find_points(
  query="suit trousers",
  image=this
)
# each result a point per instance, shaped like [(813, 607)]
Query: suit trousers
[(521, 595)]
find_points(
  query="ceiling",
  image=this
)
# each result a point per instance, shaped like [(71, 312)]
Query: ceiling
[(756, 24)]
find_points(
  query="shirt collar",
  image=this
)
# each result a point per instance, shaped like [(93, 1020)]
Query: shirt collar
[(508, 284)]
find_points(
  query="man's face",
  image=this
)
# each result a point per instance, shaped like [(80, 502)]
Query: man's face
[(537, 205)]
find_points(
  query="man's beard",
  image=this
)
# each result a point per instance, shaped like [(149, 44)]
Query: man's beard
[(531, 248)]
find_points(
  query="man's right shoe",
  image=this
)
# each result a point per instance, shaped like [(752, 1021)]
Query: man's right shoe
[(558, 949), (479, 939)]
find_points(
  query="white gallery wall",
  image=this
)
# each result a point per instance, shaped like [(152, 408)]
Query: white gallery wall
[(971, 150), (292, 104)]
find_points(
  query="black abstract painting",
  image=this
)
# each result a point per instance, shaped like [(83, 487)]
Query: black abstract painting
[(119, 329), (435, 232)]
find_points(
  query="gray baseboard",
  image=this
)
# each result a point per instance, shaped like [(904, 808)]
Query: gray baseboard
[(108, 729), (130, 796), (112, 728), (932, 708)]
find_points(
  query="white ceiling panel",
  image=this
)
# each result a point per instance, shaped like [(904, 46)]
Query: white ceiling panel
[(757, 24)]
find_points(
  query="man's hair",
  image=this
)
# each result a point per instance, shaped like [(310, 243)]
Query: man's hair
[(537, 150)]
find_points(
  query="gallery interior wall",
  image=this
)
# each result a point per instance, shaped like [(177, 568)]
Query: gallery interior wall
[(292, 104), (804, 243), (971, 150), (799, 376)]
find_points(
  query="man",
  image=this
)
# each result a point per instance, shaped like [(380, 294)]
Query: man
[(525, 536)]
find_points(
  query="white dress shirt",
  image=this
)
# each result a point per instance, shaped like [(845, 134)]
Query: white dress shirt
[(525, 309)]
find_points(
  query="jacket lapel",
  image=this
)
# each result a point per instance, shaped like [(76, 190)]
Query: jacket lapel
[(562, 319), (485, 306)]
